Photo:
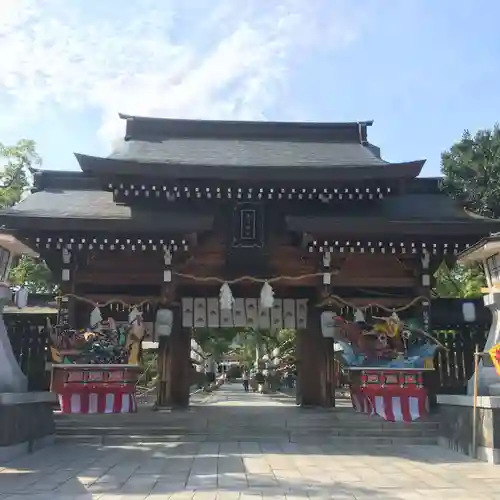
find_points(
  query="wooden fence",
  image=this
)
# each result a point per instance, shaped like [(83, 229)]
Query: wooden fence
[(455, 366), (29, 339)]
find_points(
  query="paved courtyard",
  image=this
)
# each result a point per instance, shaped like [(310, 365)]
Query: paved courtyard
[(246, 470)]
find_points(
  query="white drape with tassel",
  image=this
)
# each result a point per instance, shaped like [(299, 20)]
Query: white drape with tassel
[(267, 296), (226, 298)]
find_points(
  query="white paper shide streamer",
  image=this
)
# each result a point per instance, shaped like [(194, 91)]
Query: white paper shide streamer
[(359, 317), (95, 317), (267, 296), (226, 298), (133, 315)]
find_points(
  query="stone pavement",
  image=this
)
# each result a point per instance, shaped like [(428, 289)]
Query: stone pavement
[(246, 470)]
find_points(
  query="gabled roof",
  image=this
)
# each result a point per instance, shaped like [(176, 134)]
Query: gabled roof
[(482, 250), (230, 150)]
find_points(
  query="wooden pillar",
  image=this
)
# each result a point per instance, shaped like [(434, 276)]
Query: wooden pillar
[(425, 290), (428, 266), (68, 306), (329, 374), (315, 365), (173, 366)]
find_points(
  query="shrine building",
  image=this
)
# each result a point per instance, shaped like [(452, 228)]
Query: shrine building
[(185, 212)]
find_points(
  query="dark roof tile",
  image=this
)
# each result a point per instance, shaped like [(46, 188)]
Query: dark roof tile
[(241, 153), (405, 214), (95, 210)]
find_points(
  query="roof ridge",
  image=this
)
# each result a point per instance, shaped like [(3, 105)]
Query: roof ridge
[(143, 127)]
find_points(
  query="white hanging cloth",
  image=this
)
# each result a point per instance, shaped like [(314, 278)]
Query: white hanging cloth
[(226, 298), (359, 317), (133, 314), (95, 317), (267, 296)]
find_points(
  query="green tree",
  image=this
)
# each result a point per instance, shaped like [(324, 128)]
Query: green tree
[(214, 341), (471, 175), (471, 170), (459, 282), (18, 163), (267, 341)]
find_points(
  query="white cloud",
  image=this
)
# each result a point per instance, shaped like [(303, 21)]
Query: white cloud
[(214, 59)]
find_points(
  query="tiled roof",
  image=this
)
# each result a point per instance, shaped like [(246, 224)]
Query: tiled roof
[(269, 151), (73, 209), (406, 214), (247, 153)]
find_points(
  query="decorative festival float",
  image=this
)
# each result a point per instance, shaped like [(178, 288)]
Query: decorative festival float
[(386, 359), (96, 370)]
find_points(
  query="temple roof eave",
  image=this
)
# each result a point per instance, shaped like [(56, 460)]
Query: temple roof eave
[(90, 210), (113, 167), (33, 224), (373, 227)]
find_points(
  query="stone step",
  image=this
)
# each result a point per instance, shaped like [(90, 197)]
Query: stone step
[(370, 426), (410, 430), (216, 424), (334, 440)]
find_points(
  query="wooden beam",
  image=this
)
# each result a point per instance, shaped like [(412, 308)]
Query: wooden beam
[(344, 280), (389, 302)]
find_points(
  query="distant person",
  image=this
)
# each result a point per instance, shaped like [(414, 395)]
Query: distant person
[(261, 380), (246, 381)]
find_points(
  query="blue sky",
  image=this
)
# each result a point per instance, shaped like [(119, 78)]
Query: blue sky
[(424, 70)]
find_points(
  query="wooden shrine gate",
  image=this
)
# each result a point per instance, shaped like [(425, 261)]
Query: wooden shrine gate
[(188, 208)]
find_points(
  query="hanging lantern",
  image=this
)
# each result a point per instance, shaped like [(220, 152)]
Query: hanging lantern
[(226, 298), (267, 296), (21, 298)]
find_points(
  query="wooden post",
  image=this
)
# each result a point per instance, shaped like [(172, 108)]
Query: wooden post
[(162, 360), (329, 375), (315, 383), (474, 407), (173, 364)]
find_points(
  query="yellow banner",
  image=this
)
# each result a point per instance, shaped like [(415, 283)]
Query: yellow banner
[(494, 353)]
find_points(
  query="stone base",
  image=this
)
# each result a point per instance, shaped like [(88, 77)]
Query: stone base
[(456, 416), (26, 423), (487, 382)]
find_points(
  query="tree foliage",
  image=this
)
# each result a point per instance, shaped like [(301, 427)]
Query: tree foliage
[(459, 282), (214, 341), (33, 274), (471, 170), (18, 162), (266, 341)]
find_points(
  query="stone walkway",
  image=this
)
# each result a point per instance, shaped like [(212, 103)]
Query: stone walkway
[(246, 470)]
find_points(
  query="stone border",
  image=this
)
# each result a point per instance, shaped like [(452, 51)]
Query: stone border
[(488, 402), (26, 423), (456, 423), (19, 398), (8, 453)]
